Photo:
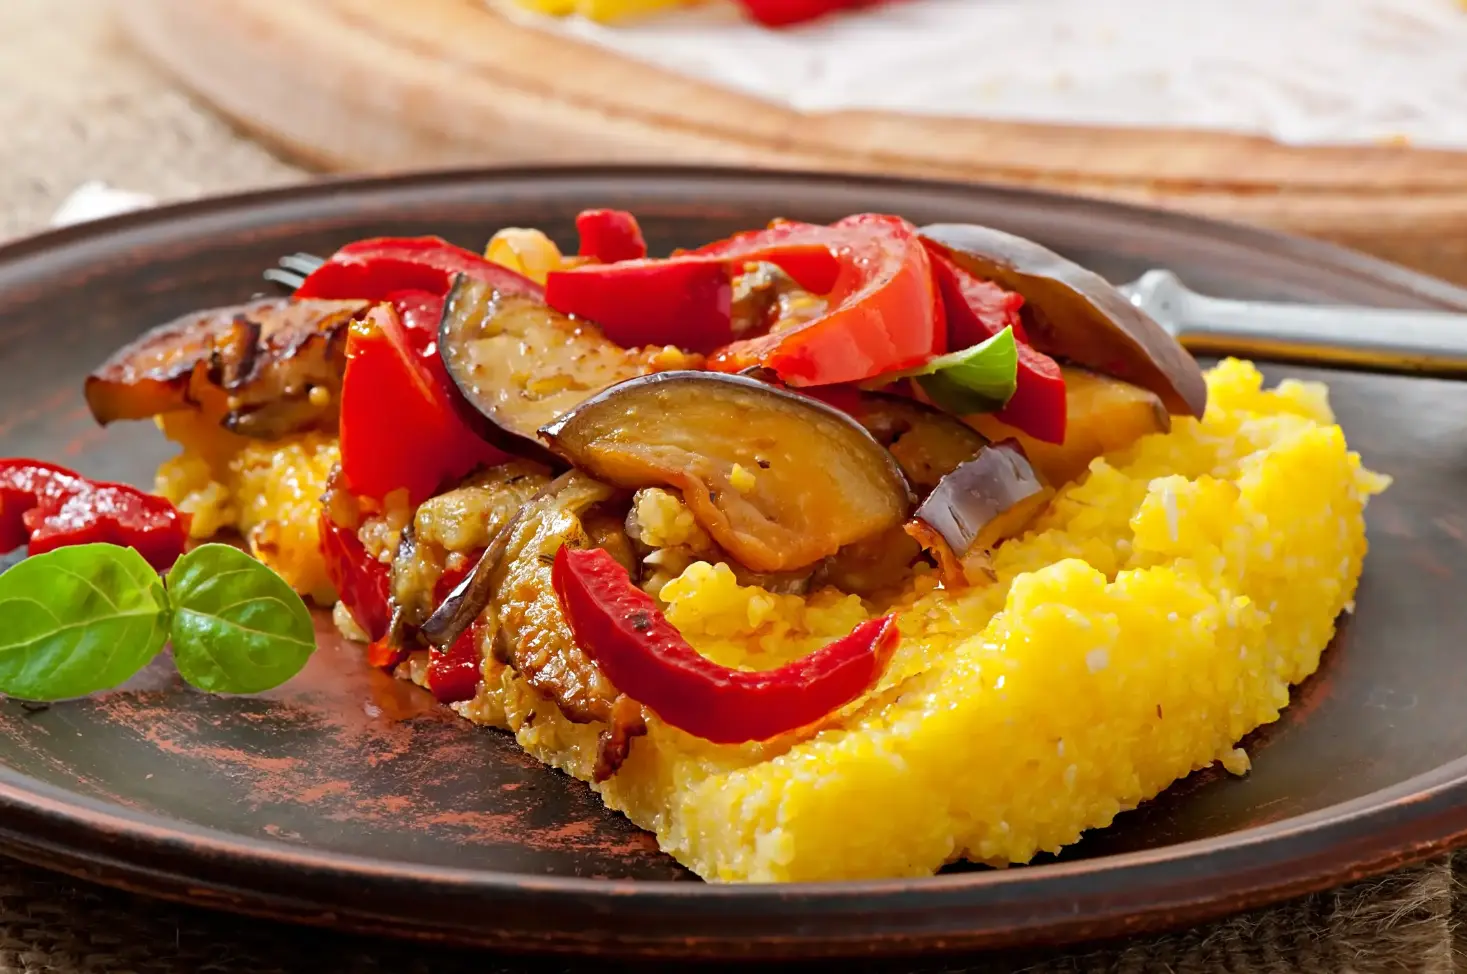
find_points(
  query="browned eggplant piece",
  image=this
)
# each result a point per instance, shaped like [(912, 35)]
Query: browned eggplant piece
[(927, 443), (1076, 315), (461, 521), (990, 498), (512, 580), (269, 368), (1104, 415), (520, 364), (777, 479), (873, 566)]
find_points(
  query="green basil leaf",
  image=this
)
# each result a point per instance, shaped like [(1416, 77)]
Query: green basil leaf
[(78, 620), (979, 379), (237, 626)]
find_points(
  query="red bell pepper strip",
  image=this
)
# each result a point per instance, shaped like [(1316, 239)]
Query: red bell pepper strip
[(621, 628), (884, 312), (806, 252), (682, 301), (976, 311), (782, 13), (46, 507), (373, 270), (454, 674), (609, 236), (399, 427), (362, 582)]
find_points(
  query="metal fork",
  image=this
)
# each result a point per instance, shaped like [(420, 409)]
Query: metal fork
[(1430, 342), (1383, 339)]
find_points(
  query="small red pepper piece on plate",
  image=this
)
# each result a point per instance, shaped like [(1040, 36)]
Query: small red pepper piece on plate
[(884, 308), (621, 628), (399, 427), (374, 269), (682, 301), (609, 236), (46, 507), (976, 311)]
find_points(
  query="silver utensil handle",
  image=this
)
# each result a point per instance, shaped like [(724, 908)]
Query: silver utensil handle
[(1394, 340)]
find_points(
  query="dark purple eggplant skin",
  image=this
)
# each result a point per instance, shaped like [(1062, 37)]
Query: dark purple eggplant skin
[(686, 429), (966, 506), (549, 347), (1075, 315)]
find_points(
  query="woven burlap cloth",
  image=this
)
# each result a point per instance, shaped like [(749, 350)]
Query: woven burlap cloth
[(77, 105)]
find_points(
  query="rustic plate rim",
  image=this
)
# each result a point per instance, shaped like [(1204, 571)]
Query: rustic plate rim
[(60, 821)]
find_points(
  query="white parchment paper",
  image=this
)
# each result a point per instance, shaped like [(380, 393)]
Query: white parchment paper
[(1301, 71)]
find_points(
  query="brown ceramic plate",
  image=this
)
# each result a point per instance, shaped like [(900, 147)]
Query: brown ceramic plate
[(348, 799)]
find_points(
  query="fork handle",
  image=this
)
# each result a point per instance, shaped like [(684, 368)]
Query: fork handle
[(1432, 342)]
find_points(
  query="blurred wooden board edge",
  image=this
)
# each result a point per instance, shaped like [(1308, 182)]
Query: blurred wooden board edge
[(393, 85)]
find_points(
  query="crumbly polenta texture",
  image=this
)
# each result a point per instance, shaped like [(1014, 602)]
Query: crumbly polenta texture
[(268, 491), (1155, 615)]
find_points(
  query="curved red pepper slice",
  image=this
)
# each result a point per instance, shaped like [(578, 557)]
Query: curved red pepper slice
[(610, 235), (621, 628), (45, 507), (399, 427), (374, 269), (884, 309)]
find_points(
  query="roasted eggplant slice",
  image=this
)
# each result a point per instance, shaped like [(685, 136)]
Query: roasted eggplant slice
[(779, 480), (928, 443), (268, 368), (990, 498), (1076, 315), (1104, 415), (513, 578), (520, 364)]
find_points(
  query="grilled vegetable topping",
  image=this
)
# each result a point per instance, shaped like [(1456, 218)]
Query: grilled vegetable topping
[(1076, 315), (268, 368), (521, 365), (623, 630), (990, 498), (778, 479)]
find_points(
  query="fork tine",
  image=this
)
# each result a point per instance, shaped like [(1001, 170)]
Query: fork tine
[(284, 278), (293, 269), (302, 264)]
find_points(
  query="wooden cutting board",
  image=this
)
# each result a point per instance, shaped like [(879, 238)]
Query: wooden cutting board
[(389, 85)]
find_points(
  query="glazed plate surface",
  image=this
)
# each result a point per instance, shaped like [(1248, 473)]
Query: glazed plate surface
[(349, 799)]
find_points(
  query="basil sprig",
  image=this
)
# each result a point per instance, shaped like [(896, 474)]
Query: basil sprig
[(980, 379), (83, 619)]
